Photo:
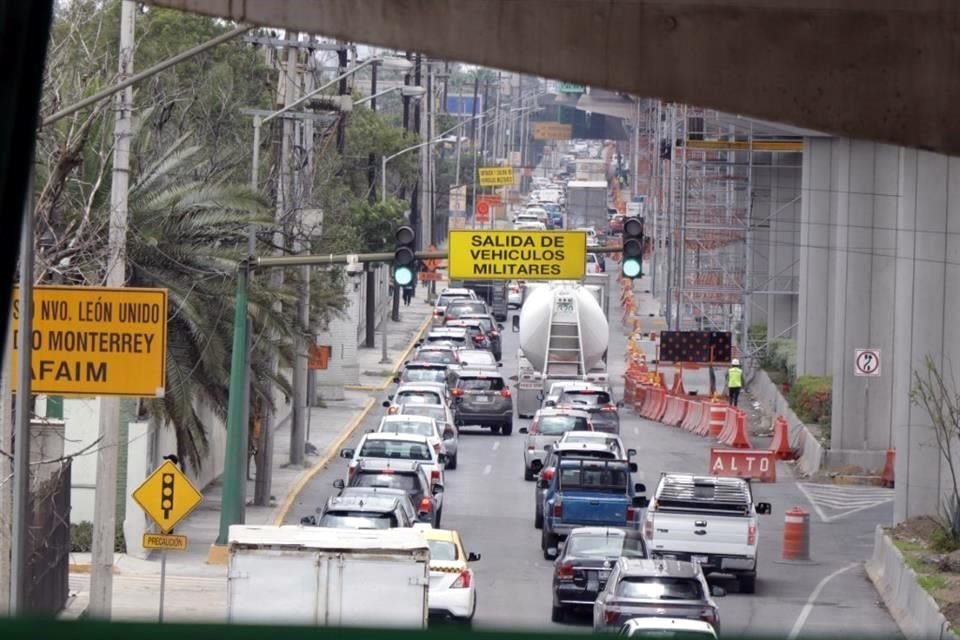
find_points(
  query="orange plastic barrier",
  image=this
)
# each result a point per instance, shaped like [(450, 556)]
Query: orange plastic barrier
[(739, 463), (887, 479), (729, 424), (703, 426), (718, 416), (796, 534), (694, 414), (629, 388), (661, 407), (781, 440), (735, 430)]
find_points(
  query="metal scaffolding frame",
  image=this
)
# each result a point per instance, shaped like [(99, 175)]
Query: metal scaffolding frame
[(712, 273)]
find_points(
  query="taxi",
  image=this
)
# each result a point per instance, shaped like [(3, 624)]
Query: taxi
[(453, 588)]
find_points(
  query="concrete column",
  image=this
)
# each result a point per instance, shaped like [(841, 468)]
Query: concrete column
[(815, 331), (865, 195), (762, 208), (139, 466), (784, 252), (927, 305)]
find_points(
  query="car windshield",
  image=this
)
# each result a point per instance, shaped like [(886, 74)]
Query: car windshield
[(446, 298), (557, 425), (589, 398), (611, 544), (356, 520), (435, 411), (452, 339), (595, 477), (415, 427), (480, 384), (417, 397), (485, 323), (443, 550), (659, 588), (437, 355), (395, 449), (424, 375), (407, 482), (478, 358)]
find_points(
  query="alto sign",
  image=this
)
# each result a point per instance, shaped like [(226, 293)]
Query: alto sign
[(525, 255), (754, 464), (96, 341)]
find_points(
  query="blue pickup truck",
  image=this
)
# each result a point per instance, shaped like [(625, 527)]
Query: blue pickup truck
[(590, 493)]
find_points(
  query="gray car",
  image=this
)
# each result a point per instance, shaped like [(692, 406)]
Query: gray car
[(482, 397), (595, 398), (547, 427), (660, 588), (362, 512)]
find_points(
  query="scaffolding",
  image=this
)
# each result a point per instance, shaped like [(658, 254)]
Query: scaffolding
[(710, 270)]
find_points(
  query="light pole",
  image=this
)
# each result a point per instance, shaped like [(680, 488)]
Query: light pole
[(407, 91)]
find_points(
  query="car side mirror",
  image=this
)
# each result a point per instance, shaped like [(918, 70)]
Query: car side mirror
[(524, 430), (516, 324), (346, 453), (396, 378), (339, 484), (499, 364), (620, 404), (640, 502), (764, 508), (550, 403), (717, 592), (385, 403), (436, 489), (442, 458), (473, 556), (640, 487), (500, 326), (631, 453), (633, 467), (308, 521)]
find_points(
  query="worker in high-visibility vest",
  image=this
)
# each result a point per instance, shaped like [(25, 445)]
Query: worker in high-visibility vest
[(734, 381)]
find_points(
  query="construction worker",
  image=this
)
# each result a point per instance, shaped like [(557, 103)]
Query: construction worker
[(734, 381)]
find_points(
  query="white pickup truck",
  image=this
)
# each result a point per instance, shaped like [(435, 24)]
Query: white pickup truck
[(708, 520)]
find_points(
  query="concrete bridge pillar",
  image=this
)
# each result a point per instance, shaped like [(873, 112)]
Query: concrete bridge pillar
[(926, 311), (783, 265)]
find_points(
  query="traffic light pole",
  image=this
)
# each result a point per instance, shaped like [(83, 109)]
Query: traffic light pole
[(234, 477)]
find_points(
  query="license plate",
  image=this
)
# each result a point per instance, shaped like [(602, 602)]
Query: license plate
[(483, 399), (700, 559)]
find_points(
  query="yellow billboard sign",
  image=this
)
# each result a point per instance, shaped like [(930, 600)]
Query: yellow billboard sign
[(552, 131), (96, 341), (496, 176), (524, 255)]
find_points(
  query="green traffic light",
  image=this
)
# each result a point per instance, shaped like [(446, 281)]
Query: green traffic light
[(403, 276), (631, 267)]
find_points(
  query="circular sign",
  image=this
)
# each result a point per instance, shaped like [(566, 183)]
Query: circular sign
[(867, 362), (483, 207)]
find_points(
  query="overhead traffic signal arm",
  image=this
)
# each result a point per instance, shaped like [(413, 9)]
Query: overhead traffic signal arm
[(632, 264)]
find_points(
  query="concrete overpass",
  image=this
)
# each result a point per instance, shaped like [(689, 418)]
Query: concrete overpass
[(874, 237)]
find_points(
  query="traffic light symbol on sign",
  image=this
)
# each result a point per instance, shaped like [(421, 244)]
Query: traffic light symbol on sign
[(632, 263), (166, 492), (404, 256)]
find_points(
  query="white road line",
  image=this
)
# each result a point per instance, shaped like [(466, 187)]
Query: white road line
[(813, 503), (636, 431), (812, 600), (813, 497), (487, 469), (496, 445)]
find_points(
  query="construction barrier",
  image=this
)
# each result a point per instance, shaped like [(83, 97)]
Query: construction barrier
[(651, 399), (887, 479), (796, 535), (676, 407), (734, 433), (694, 415), (756, 464), (718, 416), (703, 427), (781, 440)]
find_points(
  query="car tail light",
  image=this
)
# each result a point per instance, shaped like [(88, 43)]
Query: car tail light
[(456, 392), (464, 580), (426, 504), (633, 514), (709, 615), (494, 334), (435, 475), (533, 427), (436, 447), (351, 470), (437, 313), (558, 509), (547, 474), (608, 407), (392, 410), (610, 616), (648, 529), (565, 571), (505, 393), (752, 535)]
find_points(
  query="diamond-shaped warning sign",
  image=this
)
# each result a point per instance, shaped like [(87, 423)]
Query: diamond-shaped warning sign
[(167, 496)]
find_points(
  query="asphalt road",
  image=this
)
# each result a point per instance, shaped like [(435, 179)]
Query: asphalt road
[(488, 501)]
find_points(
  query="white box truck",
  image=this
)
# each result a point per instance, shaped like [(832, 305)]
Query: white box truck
[(319, 576)]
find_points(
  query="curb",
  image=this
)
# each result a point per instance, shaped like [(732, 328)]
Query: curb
[(311, 473)]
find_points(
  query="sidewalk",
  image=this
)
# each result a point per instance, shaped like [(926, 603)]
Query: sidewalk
[(196, 590)]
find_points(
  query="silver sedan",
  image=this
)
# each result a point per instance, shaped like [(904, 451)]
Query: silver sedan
[(444, 417)]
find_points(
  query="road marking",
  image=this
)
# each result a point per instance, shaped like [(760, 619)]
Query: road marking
[(845, 499), (487, 469), (636, 431), (812, 600), (496, 445)]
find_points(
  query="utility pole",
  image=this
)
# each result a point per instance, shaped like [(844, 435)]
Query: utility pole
[(105, 500), (343, 60), (6, 469), (473, 146)]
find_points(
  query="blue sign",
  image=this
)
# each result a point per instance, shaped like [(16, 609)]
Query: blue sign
[(463, 105)]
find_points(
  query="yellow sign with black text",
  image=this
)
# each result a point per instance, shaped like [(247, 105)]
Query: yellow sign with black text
[(552, 131), (167, 496), (164, 542), (496, 176), (522, 255), (96, 341)]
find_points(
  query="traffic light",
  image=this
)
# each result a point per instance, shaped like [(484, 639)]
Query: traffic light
[(632, 264), (404, 256)]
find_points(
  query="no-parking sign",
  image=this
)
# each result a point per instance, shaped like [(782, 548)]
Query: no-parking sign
[(866, 363)]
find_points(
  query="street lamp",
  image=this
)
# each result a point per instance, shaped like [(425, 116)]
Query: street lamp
[(386, 159), (414, 92)]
